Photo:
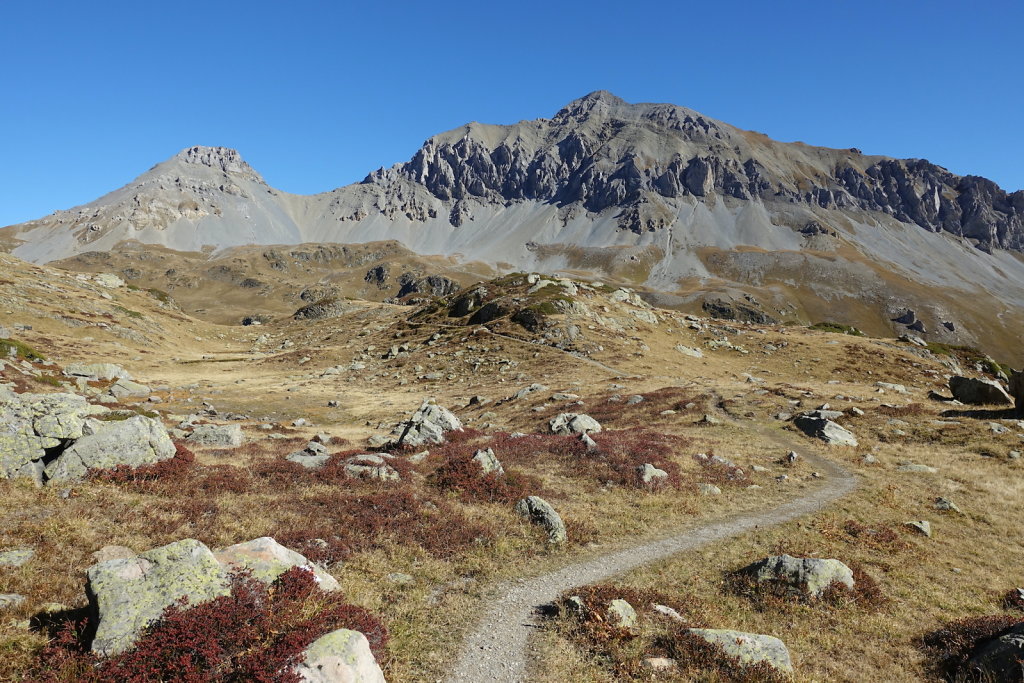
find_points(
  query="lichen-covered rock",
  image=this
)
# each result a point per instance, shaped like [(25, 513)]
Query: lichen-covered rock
[(16, 557), (126, 388), (370, 466), (126, 595), (427, 425), (574, 423), (33, 424), (748, 648), (219, 436), (539, 511), (341, 656), (979, 391), (650, 475), (267, 559), (136, 441), (488, 462), (96, 371), (808, 575), (621, 614)]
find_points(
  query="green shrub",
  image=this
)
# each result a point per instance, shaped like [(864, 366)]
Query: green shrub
[(836, 328)]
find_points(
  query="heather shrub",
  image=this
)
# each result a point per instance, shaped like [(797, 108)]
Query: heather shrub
[(146, 478), (459, 474), (256, 633)]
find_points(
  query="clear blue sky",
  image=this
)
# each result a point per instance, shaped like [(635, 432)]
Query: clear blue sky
[(317, 94)]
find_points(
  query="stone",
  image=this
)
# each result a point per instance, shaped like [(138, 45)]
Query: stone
[(32, 426), (923, 526), (947, 505), (825, 429), (11, 600), (113, 552), (539, 511), (526, 391), (803, 575), (96, 371), (689, 351), (267, 559), (133, 442), (370, 466), (16, 557), (895, 388), (574, 423), (914, 467), (659, 665), (341, 656), (588, 442), (427, 425), (650, 475), (126, 388), (977, 391), (309, 458), (219, 436), (748, 648), (1017, 390), (709, 420), (621, 614), (126, 595), (575, 607), (488, 462), (709, 490)]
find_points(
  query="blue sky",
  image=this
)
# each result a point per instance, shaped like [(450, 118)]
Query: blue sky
[(317, 94)]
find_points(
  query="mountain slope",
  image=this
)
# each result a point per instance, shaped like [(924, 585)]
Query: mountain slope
[(651, 194)]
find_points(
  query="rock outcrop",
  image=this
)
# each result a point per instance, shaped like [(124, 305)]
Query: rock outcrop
[(979, 391), (802, 575), (748, 648), (341, 656), (427, 425), (539, 511)]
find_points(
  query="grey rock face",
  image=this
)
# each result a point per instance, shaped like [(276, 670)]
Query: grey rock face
[(218, 436), (341, 656), (427, 425), (126, 388), (133, 442), (370, 466), (539, 511), (749, 648), (978, 391), (96, 371), (126, 595), (574, 423), (826, 430), (32, 426), (999, 660), (267, 559), (432, 285), (806, 575)]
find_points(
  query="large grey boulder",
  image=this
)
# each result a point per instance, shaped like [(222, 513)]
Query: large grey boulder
[(539, 511), (267, 559), (805, 575), (136, 441), (650, 475), (488, 462), (341, 656), (370, 466), (127, 595), (427, 425), (1017, 390), (220, 436), (824, 429), (573, 423), (748, 648), (979, 391), (96, 371), (31, 425), (126, 388), (1000, 659)]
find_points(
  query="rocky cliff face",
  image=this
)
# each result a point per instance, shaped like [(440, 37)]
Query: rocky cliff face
[(601, 153)]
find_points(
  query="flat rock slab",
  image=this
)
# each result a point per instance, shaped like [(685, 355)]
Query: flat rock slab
[(749, 648)]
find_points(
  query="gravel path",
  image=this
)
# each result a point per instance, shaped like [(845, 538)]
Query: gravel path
[(498, 647)]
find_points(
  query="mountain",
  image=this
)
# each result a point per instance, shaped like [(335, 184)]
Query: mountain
[(696, 210)]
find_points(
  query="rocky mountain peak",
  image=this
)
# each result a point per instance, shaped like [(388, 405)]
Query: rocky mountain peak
[(223, 159), (597, 100)]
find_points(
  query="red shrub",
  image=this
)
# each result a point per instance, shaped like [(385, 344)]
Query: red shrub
[(174, 469), (256, 633), (460, 474)]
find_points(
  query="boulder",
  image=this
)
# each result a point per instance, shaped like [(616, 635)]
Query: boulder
[(127, 595), (488, 462), (220, 436), (998, 659), (651, 475), (96, 371), (978, 391), (922, 526), (126, 388), (824, 429), (16, 557), (709, 490), (341, 656), (1017, 390), (370, 466), (803, 575), (136, 441), (526, 391), (539, 511), (621, 614), (312, 457), (748, 648), (573, 423), (32, 426), (267, 559), (427, 425)]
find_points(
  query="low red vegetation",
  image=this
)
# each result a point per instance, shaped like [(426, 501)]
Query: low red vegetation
[(257, 633), (175, 468)]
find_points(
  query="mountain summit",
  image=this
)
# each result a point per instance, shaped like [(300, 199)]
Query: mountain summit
[(656, 194)]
